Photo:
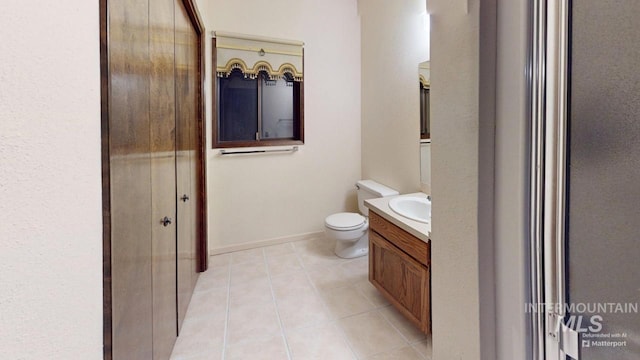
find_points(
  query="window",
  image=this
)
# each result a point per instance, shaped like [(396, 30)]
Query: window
[(258, 112), (257, 105)]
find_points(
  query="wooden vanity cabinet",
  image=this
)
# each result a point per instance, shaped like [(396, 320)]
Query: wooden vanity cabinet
[(399, 268)]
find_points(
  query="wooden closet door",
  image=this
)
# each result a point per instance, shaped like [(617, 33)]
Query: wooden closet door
[(153, 172), (187, 100), (129, 179), (163, 177)]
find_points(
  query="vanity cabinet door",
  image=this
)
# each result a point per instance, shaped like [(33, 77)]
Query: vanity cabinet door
[(409, 244), (401, 279)]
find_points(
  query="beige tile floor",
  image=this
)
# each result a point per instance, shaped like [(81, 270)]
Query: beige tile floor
[(293, 301)]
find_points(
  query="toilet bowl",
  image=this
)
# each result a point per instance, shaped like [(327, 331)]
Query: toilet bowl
[(350, 230)]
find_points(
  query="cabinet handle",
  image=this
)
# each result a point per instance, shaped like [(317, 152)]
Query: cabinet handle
[(184, 198), (166, 221)]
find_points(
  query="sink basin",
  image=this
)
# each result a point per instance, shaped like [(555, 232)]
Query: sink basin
[(412, 207)]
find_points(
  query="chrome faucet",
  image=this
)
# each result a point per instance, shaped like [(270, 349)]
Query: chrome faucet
[(429, 197)]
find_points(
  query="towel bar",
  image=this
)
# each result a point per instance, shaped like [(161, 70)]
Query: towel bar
[(238, 152)]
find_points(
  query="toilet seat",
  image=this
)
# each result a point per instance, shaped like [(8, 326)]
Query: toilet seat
[(345, 221)]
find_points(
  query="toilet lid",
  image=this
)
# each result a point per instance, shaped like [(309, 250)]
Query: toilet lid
[(344, 221)]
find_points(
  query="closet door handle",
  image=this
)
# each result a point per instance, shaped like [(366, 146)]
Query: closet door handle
[(184, 198), (166, 221)]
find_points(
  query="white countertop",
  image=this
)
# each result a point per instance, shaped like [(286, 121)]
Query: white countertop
[(381, 207)]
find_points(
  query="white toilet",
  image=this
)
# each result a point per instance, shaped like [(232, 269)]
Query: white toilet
[(350, 230)]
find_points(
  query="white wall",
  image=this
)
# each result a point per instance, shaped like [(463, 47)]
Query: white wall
[(50, 183), (425, 166), (254, 198), (455, 112), (394, 42)]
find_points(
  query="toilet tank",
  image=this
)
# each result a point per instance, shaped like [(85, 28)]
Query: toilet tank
[(369, 189)]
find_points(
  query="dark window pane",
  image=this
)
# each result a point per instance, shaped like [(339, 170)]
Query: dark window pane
[(277, 108), (425, 126), (238, 116)]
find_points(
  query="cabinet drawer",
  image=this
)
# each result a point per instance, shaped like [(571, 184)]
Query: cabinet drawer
[(413, 246), (401, 279)]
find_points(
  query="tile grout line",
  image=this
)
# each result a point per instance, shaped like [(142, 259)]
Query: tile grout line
[(314, 287), (346, 339), (388, 351), (407, 342), (362, 292), (226, 320), (379, 308), (333, 322), (413, 345), (298, 252), (275, 303)]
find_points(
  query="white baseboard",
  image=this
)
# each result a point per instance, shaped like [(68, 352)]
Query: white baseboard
[(262, 243)]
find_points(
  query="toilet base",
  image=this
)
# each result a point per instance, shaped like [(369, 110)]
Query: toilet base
[(352, 249)]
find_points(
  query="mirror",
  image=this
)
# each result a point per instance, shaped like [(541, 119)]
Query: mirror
[(425, 126), (424, 76)]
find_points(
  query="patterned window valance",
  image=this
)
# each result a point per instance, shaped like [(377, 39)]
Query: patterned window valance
[(424, 70), (253, 54)]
